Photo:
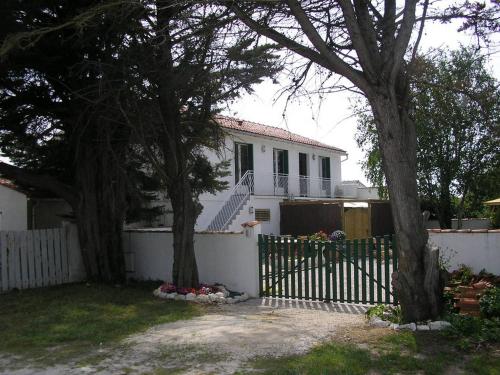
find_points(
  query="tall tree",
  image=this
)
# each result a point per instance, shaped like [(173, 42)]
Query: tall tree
[(59, 123), (367, 43), (456, 106), (193, 62)]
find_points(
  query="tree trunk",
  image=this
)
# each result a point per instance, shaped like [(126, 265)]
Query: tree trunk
[(185, 269), (100, 214), (444, 209), (417, 283)]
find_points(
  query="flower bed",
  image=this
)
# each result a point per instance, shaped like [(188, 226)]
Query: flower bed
[(217, 293)]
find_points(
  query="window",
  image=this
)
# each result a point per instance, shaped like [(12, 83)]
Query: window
[(324, 167), (263, 214), (243, 159), (303, 164), (280, 161)]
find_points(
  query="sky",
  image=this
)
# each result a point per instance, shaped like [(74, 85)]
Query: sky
[(332, 121)]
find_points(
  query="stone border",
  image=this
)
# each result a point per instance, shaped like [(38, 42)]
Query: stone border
[(223, 296), (437, 325)]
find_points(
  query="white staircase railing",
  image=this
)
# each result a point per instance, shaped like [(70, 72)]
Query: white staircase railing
[(237, 198)]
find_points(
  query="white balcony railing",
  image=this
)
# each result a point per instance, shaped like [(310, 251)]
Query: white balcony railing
[(293, 185)]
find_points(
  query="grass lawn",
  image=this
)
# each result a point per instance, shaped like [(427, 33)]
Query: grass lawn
[(58, 323), (385, 352)]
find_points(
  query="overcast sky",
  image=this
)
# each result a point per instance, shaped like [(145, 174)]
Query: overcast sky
[(333, 123)]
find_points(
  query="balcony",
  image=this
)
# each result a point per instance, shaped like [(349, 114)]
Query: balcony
[(288, 185)]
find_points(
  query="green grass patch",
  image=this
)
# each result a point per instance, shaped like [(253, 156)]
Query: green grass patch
[(61, 322), (396, 353)]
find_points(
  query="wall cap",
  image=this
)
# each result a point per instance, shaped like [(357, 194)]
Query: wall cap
[(463, 230)]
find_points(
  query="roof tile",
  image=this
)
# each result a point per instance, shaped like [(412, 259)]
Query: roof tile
[(270, 131)]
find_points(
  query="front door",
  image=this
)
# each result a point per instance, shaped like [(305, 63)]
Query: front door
[(243, 160), (303, 175)]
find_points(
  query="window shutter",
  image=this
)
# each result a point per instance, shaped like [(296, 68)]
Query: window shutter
[(285, 157), (250, 157), (236, 163), (327, 175)]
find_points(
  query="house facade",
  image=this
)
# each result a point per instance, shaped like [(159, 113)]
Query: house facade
[(267, 166)]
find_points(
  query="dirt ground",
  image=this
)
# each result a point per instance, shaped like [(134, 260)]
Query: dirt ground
[(220, 342)]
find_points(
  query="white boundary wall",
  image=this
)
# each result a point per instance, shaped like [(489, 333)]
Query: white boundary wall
[(227, 258), (477, 250)]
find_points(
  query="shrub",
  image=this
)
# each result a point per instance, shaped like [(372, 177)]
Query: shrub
[(470, 331), (490, 303), (337, 235), (385, 312), (318, 236)]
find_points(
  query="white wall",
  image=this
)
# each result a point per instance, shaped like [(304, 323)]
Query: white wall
[(227, 258), (473, 223), (256, 202), (477, 250), (13, 209)]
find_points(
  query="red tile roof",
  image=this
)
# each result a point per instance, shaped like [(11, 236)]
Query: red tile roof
[(270, 131), (11, 185)]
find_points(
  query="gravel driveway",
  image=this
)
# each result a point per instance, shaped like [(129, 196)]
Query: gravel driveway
[(219, 342)]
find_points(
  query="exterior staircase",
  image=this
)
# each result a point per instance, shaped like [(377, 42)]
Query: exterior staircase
[(236, 200)]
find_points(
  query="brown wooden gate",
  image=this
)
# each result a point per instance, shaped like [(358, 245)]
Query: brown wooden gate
[(357, 222)]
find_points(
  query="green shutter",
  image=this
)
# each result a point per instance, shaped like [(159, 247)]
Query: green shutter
[(236, 163), (250, 157), (327, 168), (285, 156)]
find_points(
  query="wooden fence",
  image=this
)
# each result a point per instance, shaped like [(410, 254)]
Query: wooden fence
[(34, 258)]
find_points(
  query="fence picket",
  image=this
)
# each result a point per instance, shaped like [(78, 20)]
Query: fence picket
[(300, 261), (4, 262), (348, 265), (260, 250), (31, 259), (387, 281), (13, 260), (363, 271), (379, 270), (37, 248), (57, 256), (23, 257), (286, 261), (321, 247), (266, 264), (44, 257), (280, 266), (64, 255), (51, 253), (306, 268), (328, 267), (293, 249), (371, 279), (335, 256), (341, 269), (356, 271), (313, 248), (273, 266)]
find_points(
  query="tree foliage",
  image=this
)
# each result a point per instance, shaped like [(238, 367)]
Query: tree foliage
[(456, 106)]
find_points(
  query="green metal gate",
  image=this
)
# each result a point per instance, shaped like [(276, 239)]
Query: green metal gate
[(357, 271)]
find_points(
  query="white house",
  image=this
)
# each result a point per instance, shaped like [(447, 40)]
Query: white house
[(13, 207), (267, 166)]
